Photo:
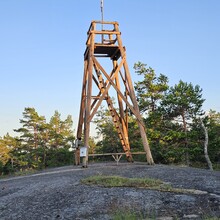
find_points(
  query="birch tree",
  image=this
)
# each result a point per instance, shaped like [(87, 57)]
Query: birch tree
[(206, 142)]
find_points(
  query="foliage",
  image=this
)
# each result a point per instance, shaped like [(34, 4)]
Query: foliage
[(39, 144), (4, 152), (183, 100), (182, 104), (106, 129), (151, 89), (213, 126), (4, 155), (92, 145), (134, 135), (60, 132)]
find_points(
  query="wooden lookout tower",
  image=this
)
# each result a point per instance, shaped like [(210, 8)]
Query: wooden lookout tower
[(106, 73)]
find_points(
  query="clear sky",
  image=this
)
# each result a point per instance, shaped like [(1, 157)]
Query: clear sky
[(42, 43)]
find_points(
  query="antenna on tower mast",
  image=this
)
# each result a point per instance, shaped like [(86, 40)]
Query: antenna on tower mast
[(102, 10)]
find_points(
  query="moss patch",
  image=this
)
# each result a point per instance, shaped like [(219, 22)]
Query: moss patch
[(147, 183), (118, 181)]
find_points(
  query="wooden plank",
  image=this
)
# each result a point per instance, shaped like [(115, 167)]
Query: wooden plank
[(82, 105), (105, 32), (110, 154), (88, 100), (105, 22)]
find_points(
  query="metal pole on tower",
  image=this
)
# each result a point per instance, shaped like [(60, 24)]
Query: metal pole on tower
[(102, 12), (102, 9)]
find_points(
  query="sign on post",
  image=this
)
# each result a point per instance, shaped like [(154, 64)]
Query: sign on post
[(83, 151)]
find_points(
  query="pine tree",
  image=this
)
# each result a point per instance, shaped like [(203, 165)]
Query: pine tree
[(61, 133), (151, 90), (182, 104), (150, 93), (31, 135)]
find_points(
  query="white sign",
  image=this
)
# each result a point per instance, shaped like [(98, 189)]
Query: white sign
[(83, 151)]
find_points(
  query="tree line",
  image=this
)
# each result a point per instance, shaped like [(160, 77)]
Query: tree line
[(177, 128), (39, 144)]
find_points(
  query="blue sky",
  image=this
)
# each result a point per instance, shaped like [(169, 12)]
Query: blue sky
[(42, 44)]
